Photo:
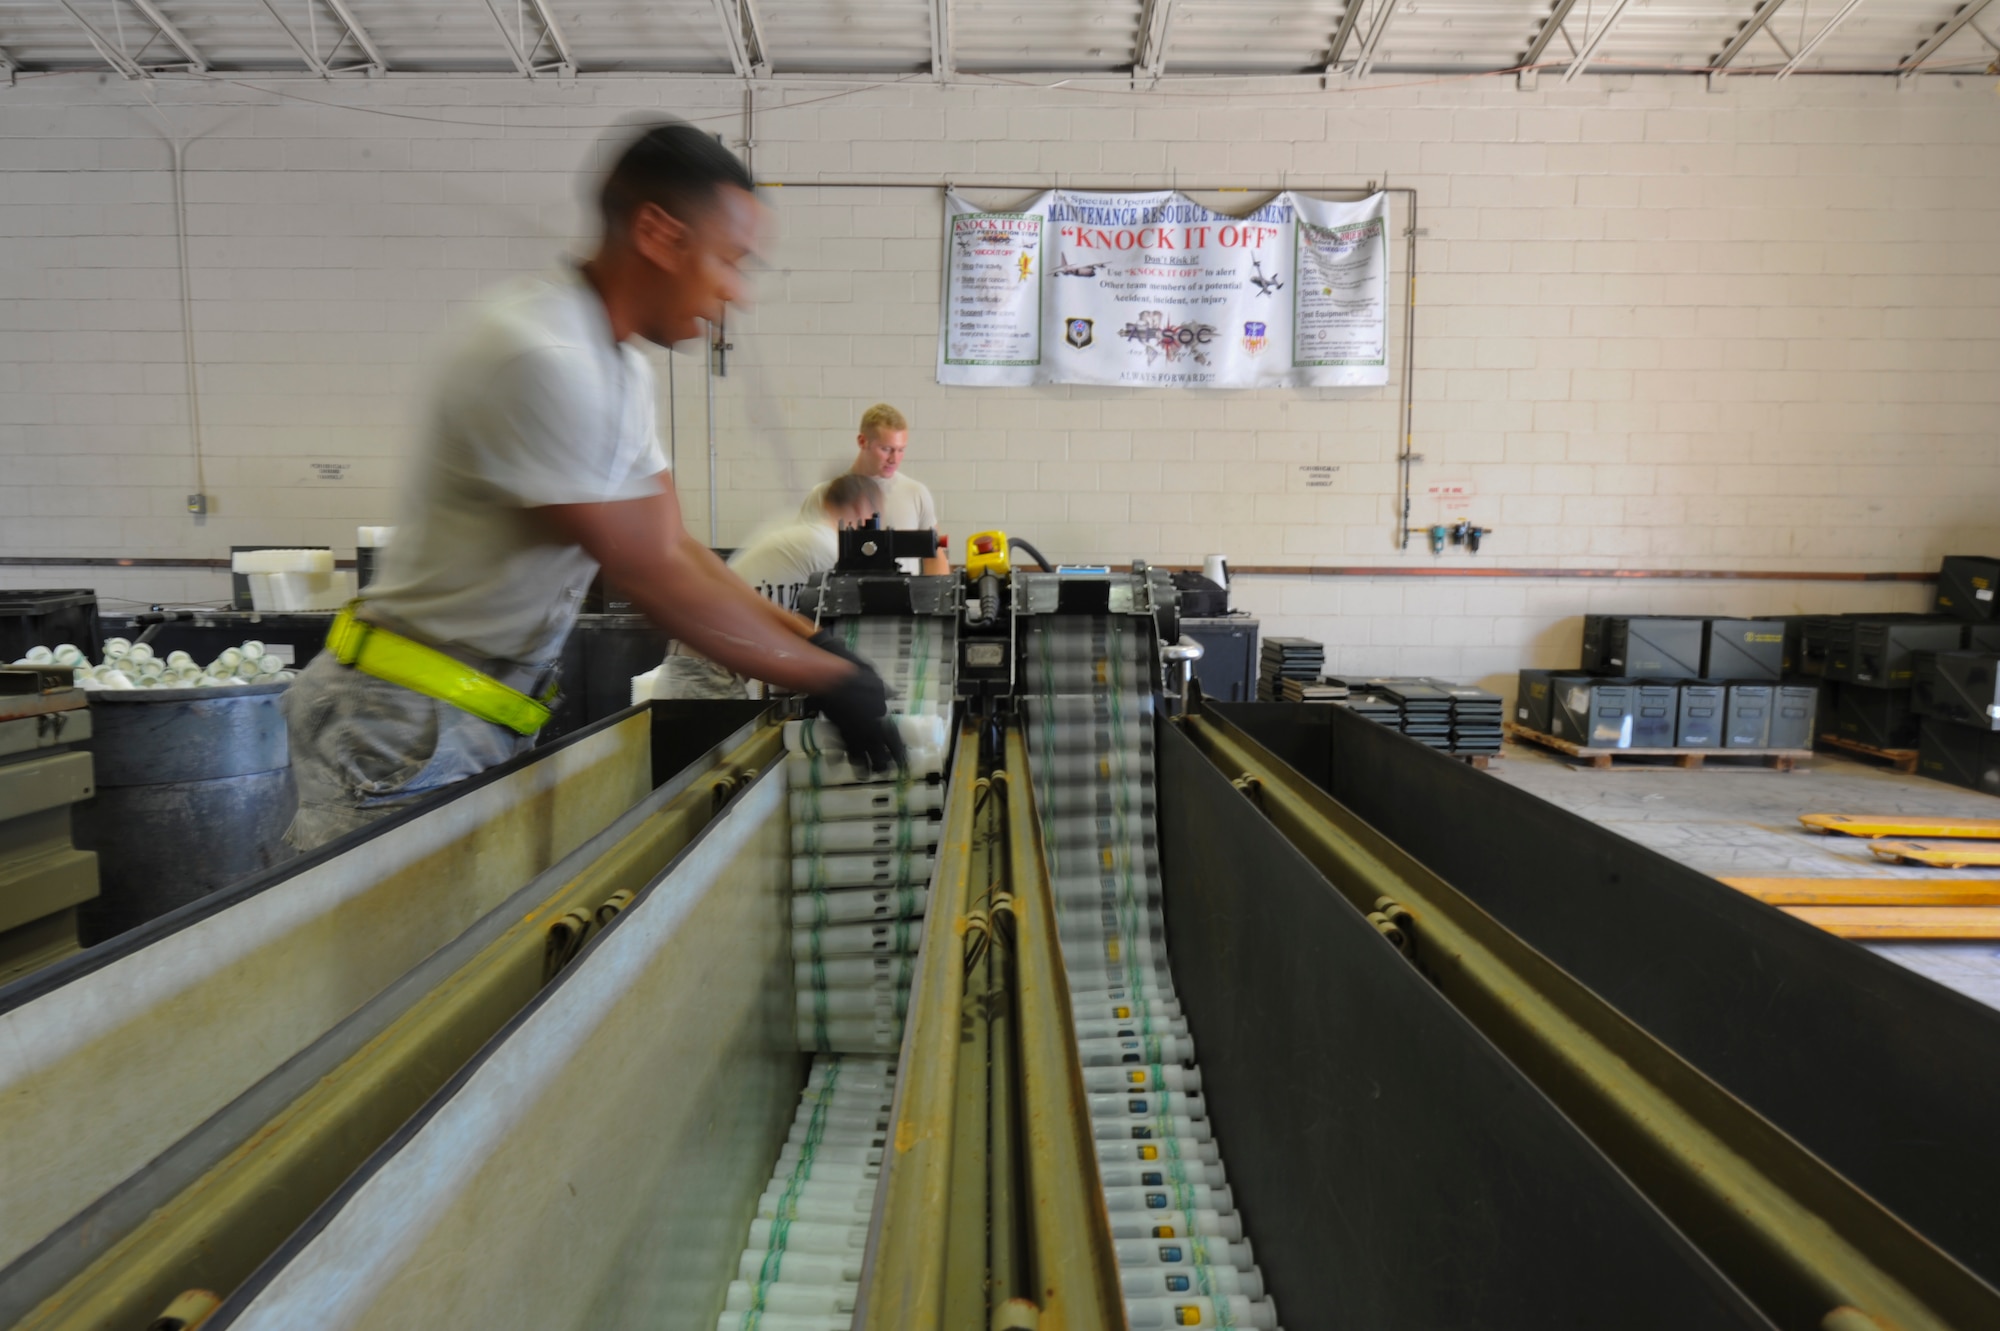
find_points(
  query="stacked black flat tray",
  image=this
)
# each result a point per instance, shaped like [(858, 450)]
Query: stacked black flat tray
[(1425, 708), (1454, 718), (1287, 658), (1310, 690), (1475, 720)]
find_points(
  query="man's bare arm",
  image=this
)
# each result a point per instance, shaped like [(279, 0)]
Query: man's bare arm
[(679, 585)]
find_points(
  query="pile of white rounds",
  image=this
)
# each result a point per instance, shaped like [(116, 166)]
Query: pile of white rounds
[(133, 665)]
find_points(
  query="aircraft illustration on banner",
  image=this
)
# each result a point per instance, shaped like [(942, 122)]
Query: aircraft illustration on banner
[(1265, 285), (1068, 269)]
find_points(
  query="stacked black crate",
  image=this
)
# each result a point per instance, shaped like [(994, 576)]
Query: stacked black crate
[(1643, 646), (1955, 694), (1533, 697), (1592, 712), (1665, 682), (1872, 661), (1287, 658), (1965, 590), (1746, 658), (1633, 702)]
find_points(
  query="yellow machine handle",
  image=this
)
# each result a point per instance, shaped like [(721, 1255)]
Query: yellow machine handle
[(986, 552)]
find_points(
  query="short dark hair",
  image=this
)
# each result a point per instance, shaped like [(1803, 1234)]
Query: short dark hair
[(849, 489), (674, 165)]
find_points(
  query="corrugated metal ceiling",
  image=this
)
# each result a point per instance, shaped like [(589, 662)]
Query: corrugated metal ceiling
[(1033, 39)]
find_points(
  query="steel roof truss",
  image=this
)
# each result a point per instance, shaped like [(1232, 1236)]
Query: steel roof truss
[(745, 36), (554, 32), (313, 62), (1747, 32), (514, 53), (1151, 48), (1348, 18), (941, 47), (1386, 13), (1557, 16), (523, 52), (122, 63), (1813, 42), (1945, 32), (171, 33), (358, 33), (1594, 40)]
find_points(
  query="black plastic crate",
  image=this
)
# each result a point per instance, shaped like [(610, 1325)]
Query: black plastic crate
[(1966, 587), (1533, 697), (1960, 755), (1960, 687), (1658, 646), (1792, 655), (40, 618), (1816, 643), (1837, 657), (1923, 684), (1746, 722), (1879, 718), (1701, 710), (1794, 709), (1884, 649), (1745, 649)]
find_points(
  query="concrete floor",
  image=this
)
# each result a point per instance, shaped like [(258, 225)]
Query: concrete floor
[(1732, 821)]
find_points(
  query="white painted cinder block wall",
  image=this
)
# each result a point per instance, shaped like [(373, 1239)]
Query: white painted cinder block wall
[(1658, 328)]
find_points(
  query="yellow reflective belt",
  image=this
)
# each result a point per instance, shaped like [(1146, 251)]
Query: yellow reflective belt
[(396, 659)]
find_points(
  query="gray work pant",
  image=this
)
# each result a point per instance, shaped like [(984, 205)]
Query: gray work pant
[(363, 748), (685, 674)]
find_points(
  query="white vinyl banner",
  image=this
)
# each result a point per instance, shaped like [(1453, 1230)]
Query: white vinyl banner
[(1151, 290)]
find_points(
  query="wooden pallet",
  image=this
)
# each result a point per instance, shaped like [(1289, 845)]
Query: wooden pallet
[(1687, 760), (1939, 854), (1903, 760)]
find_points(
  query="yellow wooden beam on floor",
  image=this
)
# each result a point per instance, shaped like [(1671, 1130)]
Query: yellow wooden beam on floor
[(1940, 854), (1870, 891), (1871, 825), (1905, 923)]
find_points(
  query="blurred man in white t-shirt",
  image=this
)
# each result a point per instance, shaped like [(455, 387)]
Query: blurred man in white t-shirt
[(906, 501), (540, 463)]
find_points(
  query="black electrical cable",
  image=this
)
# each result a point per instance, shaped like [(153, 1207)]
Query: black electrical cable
[(1015, 542)]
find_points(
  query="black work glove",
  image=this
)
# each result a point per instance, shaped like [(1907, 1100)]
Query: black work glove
[(858, 706), (828, 642)]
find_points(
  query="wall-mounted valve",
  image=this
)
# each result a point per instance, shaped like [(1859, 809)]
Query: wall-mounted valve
[(1467, 535), (1436, 535)]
